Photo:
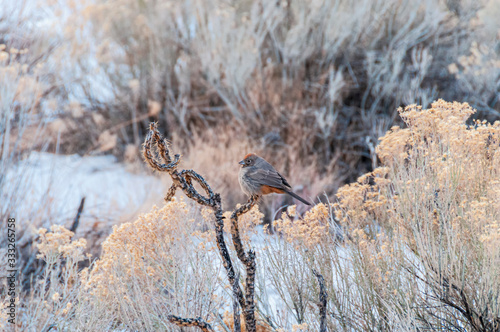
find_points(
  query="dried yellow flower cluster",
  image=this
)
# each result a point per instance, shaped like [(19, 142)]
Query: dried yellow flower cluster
[(309, 230), (440, 189), (141, 250), (58, 243), (437, 158), (361, 203), (448, 166)]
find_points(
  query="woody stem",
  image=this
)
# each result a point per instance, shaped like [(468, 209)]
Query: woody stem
[(155, 149)]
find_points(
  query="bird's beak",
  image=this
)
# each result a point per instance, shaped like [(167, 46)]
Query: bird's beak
[(242, 162)]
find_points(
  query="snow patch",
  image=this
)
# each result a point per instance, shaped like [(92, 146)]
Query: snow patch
[(57, 183)]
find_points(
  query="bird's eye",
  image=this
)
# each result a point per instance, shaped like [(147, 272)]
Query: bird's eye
[(248, 161)]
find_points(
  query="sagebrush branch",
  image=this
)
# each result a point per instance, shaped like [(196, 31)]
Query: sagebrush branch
[(155, 151), (323, 298)]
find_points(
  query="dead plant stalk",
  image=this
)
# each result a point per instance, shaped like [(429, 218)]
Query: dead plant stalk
[(157, 155)]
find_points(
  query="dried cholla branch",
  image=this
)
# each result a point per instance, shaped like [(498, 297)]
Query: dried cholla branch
[(323, 297), (246, 258), (236, 311), (235, 232), (155, 145), (204, 326)]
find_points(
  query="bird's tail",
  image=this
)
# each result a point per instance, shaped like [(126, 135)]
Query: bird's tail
[(294, 195)]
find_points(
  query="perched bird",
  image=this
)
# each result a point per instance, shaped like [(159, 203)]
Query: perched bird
[(258, 177)]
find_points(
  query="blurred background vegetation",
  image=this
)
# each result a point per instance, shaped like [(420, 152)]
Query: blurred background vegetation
[(311, 84)]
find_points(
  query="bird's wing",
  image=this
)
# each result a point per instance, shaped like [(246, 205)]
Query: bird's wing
[(269, 177), (284, 180)]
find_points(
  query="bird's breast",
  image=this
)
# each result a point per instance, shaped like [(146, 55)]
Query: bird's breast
[(245, 182)]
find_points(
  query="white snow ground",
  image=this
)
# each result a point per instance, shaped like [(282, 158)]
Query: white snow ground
[(55, 185)]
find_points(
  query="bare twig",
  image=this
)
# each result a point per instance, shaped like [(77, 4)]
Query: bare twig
[(156, 150), (198, 322), (454, 297), (222, 323), (76, 222), (323, 297)]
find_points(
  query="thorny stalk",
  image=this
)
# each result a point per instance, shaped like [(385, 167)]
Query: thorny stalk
[(157, 155), (204, 326), (236, 311)]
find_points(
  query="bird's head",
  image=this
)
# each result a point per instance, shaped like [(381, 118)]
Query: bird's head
[(249, 160)]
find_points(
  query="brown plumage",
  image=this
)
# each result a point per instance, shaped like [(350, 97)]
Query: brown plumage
[(258, 177)]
